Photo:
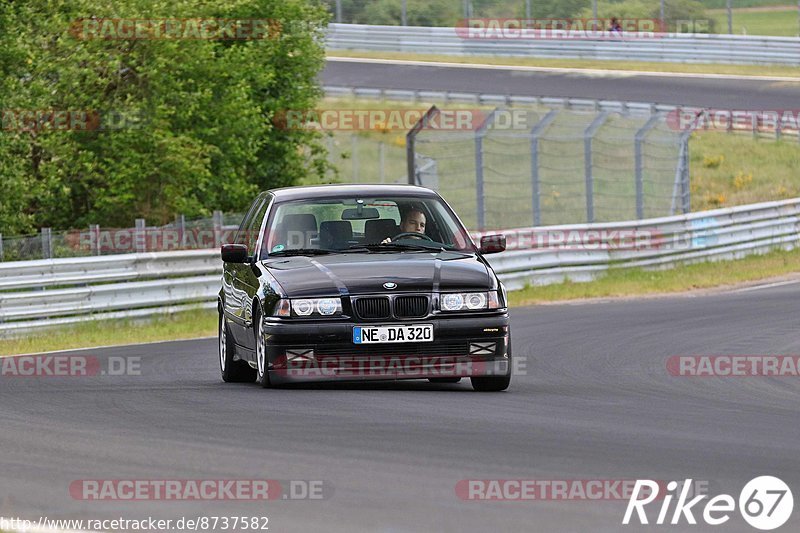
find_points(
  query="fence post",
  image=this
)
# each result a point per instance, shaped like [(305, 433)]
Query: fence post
[(480, 133), (587, 163), (217, 222), (182, 229), (47, 244), (139, 235), (339, 11), (411, 142), (639, 162), (354, 156), (94, 238), (536, 132), (1, 247), (687, 191), (382, 160)]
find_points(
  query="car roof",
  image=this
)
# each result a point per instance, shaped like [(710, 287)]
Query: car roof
[(332, 191)]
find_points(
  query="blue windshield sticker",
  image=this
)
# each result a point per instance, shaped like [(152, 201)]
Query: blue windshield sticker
[(278, 248)]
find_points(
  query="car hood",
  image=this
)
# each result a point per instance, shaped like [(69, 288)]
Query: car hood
[(355, 273)]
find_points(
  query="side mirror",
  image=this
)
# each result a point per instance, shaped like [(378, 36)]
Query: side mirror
[(234, 253), (491, 244)]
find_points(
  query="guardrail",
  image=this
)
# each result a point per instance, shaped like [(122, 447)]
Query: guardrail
[(671, 47), (134, 285)]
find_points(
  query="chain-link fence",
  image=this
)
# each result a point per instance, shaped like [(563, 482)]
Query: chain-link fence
[(181, 234), (568, 167)]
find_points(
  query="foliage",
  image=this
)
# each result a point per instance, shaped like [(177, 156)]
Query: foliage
[(193, 117)]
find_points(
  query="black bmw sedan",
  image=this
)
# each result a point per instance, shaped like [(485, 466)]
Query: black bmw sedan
[(361, 282)]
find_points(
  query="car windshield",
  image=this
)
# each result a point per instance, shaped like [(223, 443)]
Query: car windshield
[(374, 225)]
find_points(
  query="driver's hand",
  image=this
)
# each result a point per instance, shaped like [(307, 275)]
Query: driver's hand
[(387, 240)]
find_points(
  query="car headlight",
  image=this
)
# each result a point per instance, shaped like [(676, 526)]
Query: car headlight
[(306, 307), (469, 301)]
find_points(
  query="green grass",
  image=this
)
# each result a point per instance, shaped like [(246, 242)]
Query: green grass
[(184, 325), (695, 68), (636, 282), (735, 169), (780, 23)]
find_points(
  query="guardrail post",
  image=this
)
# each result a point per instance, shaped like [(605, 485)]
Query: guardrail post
[(217, 222), (536, 132), (339, 11), (1, 247), (639, 162), (139, 236), (47, 244), (587, 163), (480, 133), (94, 238)]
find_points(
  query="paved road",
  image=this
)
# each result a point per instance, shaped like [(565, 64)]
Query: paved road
[(596, 403), (666, 89)]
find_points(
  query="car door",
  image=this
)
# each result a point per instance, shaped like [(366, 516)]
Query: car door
[(234, 299), (244, 279)]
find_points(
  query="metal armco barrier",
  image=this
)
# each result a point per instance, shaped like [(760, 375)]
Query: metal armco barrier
[(671, 47), (135, 285)]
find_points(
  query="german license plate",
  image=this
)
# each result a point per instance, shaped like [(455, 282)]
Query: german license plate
[(380, 334)]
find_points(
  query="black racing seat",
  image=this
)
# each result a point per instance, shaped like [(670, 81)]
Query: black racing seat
[(335, 234), (377, 230)]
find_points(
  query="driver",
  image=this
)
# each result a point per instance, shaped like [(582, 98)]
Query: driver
[(413, 222)]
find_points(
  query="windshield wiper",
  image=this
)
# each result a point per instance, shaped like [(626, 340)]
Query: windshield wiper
[(301, 251), (394, 247)]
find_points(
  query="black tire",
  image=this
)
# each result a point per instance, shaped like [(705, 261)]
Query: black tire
[(262, 372), (232, 371), (491, 384), (444, 380)]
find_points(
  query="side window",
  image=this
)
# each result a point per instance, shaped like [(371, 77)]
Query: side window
[(243, 235), (254, 228)]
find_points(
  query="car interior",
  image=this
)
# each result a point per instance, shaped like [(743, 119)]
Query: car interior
[(303, 230)]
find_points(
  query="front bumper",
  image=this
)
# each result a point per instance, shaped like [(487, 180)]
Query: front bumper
[(314, 351)]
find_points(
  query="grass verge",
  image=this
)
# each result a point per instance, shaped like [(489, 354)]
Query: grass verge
[(185, 325), (617, 283), (636, 282), (736, 70), (758, 21)]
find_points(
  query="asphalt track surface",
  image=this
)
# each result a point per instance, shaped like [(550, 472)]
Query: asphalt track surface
[(725, 93), (596, 403)]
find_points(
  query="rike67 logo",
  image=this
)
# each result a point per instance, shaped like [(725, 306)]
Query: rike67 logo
[(765, 503)]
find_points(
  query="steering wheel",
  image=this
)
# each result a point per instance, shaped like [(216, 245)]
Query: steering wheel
[(411, 234)]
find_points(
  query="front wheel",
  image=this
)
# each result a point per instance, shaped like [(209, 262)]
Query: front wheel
[(262, 364), (232, 371)]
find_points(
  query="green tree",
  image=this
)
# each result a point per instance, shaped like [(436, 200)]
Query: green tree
[(197, 129)]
